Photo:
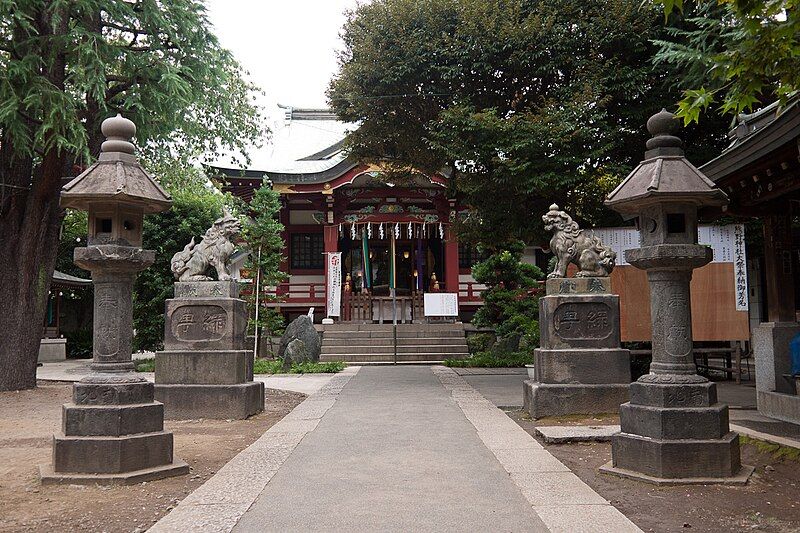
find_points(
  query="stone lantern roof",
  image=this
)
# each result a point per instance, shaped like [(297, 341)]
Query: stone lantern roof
[(116, 177), (665, 175)]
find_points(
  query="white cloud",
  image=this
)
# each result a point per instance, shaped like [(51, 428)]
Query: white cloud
[(289, 47)]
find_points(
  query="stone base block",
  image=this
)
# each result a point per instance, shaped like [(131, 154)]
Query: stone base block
[(89, 393), (544, 399), (784, 407), (772, 357), (588, 366), (111, 455), (674, 394), (208, 323), (569, 321), (203, 367), (52, 350), (112, 420), (175, 468), (183, 402), (677, 459), (684, 423), (739, 479)]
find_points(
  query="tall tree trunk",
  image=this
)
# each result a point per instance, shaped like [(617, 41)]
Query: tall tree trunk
[(30, 221)]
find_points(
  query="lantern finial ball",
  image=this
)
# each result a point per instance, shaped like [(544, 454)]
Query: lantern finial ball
[(663, 126), (118, 131)]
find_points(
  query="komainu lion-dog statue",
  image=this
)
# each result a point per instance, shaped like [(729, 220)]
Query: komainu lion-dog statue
[(570, 244), (214, 251)]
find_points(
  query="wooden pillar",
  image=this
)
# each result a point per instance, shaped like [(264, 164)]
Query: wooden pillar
[(283, 216), (778, 265), (451, 262), (331, 244)]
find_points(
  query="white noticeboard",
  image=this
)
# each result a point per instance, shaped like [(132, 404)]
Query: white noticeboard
[(727, 242), (441, 304), (334, 300)]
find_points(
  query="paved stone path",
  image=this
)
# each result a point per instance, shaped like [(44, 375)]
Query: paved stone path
[(395, 449)]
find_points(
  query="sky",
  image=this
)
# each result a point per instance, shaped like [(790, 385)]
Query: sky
[(288, 46)]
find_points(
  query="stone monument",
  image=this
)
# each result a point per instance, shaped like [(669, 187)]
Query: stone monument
[(673, 430), (205, 370), (579, 366), (113, 431)]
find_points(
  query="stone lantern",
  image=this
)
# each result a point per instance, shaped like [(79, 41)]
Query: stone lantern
[(673, 430), (113, 431)]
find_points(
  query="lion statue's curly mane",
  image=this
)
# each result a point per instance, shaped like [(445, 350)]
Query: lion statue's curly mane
[(570, 244), (214, 251)]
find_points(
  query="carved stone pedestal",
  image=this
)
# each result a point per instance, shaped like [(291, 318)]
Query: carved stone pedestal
[(676, 433), (580, 367), (205, 370), (113, 431)]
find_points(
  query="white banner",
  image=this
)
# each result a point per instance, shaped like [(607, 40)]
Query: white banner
[(740, 268), (334, 299)]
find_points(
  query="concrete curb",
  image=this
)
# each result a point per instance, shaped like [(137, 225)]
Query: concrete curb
[(218, 504), (561, 500), (565, 434), (766, 437)]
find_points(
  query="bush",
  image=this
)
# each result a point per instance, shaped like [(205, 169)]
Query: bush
[(79, 344), (145, 365), (480, 342), (263, 366), (492, 360), (511, 299), (275, 366)]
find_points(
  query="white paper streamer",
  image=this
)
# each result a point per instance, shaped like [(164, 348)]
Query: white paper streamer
[(369, 230), (352, 232), (410, 230), (397, 230), (441, 231), (380, 231)]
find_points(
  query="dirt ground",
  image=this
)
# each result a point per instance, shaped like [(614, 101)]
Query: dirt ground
[(27, 422), (769, 502)]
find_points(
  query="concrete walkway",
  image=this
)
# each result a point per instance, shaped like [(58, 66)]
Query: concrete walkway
[(395, 449)]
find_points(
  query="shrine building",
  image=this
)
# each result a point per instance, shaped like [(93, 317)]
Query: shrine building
[(332, 203)]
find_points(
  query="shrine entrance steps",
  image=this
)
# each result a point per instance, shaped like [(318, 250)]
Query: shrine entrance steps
[(373, 343)]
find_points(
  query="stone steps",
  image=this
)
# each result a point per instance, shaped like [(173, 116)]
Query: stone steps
[(387, 341), (405, 349), (431, 358), (374, 343)]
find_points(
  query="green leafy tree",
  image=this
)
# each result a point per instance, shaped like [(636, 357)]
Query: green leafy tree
[(734, 55), (262, 235), (523, 102), (66, 67), (511, 303)]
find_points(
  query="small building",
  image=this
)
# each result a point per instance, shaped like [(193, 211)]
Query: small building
[(759, 171), (53, 346), (332, 203)]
